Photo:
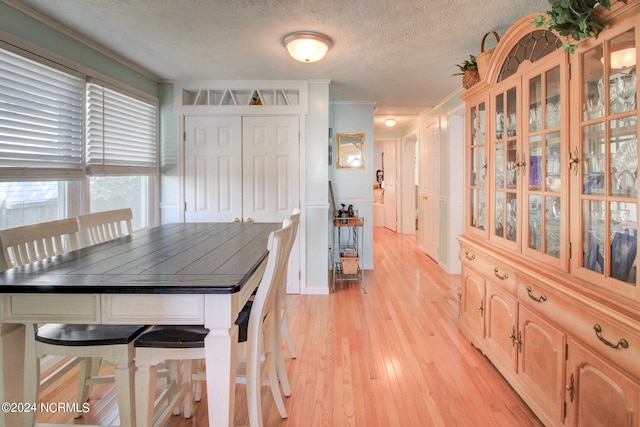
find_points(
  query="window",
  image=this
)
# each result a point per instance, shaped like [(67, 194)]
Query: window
[(115, 192), (48, 170), (121, 133), (40, 119)]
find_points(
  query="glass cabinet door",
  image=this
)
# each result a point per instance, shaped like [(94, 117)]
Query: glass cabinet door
[(545, 175), (609, 163), (477, 169), (507, 160)]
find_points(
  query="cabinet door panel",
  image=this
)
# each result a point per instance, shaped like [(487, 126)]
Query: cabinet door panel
[(501, 327), (472, 306), (541, 361), (599, 394)]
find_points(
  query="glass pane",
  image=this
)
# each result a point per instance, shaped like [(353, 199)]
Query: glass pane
[(593, 238), (27, 202), (535, 104), (552, 226), (593, 85), (535, 222), (535, 163), (552, 170), (511, 117), (622, 77), (116, 192), (624, 236), (482, 166), (512, 215), (593, 152), (552, 107), (512, 169), (473, 153), (499, 214), (481, 124), (500, 160), (481, 209), (474, 125), (500, 116), (624, 157), (473, 208)]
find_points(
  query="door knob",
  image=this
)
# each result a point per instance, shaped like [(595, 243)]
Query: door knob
[(248, 219), (236, 219)]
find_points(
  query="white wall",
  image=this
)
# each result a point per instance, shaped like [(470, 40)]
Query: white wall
[(355, 186), (316, 192)]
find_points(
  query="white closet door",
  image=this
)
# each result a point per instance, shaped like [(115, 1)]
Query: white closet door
[(271, 172), (271, 177), (213, 169)]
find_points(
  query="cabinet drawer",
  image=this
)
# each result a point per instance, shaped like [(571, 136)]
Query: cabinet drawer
[(618, 339), (491, 269)]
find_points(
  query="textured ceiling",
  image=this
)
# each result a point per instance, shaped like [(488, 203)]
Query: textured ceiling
[(399, 54)]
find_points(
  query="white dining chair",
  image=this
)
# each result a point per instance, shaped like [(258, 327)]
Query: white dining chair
[(86, 344), (186, 343), (29, 243), (282, 329), (98, 227)]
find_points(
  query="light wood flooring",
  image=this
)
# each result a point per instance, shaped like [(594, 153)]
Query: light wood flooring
[(391, 357)]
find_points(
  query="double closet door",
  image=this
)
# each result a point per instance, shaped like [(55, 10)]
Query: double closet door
[(243, 169)]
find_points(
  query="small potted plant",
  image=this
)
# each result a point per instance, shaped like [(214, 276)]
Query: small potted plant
[(572, 19), (469, 72)]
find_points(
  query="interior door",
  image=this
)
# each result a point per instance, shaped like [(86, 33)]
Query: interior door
[(429, 195), (213, 169), (271, 176), (243, 169), (390, 186)]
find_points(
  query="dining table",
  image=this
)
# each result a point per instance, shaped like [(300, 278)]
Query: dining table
[(172, 274)]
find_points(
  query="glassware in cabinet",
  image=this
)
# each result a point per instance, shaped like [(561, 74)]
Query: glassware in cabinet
[(545, 221), (477, 167), (609, 164)]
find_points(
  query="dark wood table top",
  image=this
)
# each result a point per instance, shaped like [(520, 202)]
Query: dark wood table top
[(180, 258)]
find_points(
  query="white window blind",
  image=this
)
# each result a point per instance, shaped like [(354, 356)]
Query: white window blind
[(121, 133), (41, 111)]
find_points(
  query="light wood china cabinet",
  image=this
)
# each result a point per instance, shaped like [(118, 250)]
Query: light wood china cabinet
[(549, 287)]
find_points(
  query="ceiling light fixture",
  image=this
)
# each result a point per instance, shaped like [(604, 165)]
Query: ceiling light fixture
[(307, 46), (390, 122)]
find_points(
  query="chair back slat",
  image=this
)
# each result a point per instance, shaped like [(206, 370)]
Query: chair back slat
[(30, 243), (100, 227), (263, 318)]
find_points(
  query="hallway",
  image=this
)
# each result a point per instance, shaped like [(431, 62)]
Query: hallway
[(391, 357)]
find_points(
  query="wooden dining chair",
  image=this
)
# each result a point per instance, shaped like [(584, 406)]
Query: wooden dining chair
[(29, 243), (87, 344), (103, 226), (282, 329), (257, 325)]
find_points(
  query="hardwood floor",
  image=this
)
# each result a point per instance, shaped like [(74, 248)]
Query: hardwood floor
[(391, 357)]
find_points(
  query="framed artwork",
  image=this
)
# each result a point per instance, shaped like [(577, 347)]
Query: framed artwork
[(330, 146), (350, 151)]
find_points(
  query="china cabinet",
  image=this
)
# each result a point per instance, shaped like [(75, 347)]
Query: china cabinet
[(549, 288)]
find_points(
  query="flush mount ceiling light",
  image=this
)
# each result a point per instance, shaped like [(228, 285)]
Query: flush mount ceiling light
[(390, 122), (307, 46)]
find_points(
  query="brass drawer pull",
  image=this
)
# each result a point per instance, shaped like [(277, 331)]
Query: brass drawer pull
[(541, 298), (469, 257), (504, 276), (622, 343)]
